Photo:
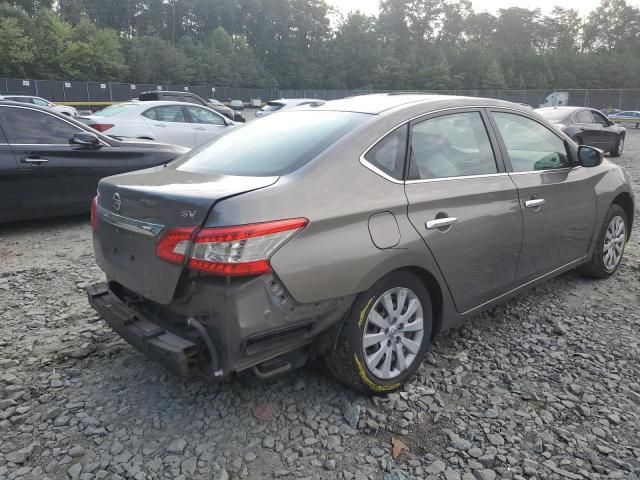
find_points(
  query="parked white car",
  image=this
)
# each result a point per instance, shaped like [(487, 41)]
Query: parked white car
[(177, 123), (42, 102), (285, 104)]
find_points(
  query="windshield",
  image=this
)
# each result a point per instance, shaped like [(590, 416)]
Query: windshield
[(553, 114), (276, 145), (115, 109), (272, 106)]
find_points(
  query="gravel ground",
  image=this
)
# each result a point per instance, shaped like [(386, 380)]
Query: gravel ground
[(545, 386)]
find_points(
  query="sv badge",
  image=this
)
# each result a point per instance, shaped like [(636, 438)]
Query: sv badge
[(188, 213)]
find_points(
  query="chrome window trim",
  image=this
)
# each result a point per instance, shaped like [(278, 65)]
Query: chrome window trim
[(51, 115), (130, 224), (461, 177), (561, 169), (368, 165)]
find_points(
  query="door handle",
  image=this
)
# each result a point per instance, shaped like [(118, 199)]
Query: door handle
[(159, 125), (199, 128), (534, 203), (440, 223), (33, 160)]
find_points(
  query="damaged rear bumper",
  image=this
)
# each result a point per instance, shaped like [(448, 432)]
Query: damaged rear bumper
[(177, 354)]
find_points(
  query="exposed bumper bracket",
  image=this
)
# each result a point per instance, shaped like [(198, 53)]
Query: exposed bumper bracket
[(176, 353)]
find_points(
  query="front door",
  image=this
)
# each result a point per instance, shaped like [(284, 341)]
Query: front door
[(557, 197), (464, 205), (608, 132), (206, 124), (170, 125), (54, 175)]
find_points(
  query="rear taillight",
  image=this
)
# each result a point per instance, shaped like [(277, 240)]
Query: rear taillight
[(94, 213), (101, 127), (232, 251)]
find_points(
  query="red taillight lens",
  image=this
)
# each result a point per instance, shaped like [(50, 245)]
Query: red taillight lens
[(101, 127), (94, 213), (174, 244), (232, 251)]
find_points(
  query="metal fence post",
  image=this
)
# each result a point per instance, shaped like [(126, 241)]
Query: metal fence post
[(620, 101), (586, 97)]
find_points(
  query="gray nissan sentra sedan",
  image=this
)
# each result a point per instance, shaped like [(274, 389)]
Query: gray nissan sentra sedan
[(356, 230)]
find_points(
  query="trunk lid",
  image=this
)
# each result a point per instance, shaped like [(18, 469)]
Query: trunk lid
[(134, 211)]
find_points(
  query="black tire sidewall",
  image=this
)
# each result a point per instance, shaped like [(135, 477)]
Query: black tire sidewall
[(597, 262), (357, 322)]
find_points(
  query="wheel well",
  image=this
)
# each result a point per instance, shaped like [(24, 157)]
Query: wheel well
[(436, 295), (624, 200)]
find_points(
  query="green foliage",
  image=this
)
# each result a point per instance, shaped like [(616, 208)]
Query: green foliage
[(411, 44)]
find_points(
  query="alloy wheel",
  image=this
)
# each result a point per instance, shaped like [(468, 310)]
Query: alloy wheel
[(620, 146), (393, 333), (614, 241)]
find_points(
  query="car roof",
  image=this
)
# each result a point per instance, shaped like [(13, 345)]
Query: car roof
[(178, 92), (7, 95), (380, 103), (565, 108), (155, 103)]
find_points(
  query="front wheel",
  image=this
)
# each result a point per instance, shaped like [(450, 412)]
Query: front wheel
[(617, 150), (384, 339), (609, 245)]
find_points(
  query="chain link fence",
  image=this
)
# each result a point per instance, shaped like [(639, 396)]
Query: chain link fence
[(95, 93)]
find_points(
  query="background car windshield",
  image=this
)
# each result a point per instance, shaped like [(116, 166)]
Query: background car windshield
[(276, 145), (115, 109), (272, 107)]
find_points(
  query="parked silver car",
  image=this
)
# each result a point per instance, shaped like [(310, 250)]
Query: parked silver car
[(355, 230), (42, 102)]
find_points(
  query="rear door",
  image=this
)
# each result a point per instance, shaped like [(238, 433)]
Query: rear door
[(206, 124), (464, 205), (557, 197), (169, 124), (52, 174)]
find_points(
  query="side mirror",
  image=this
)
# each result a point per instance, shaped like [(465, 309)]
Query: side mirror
[(85, 139), (589, 156)]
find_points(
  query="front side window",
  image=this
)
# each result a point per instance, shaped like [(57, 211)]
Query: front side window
[(389, 153), (451, 146), (200, 115), (276, 145), (599, 118), (530, 145), (170, 113), (583, 116), (32, 127)]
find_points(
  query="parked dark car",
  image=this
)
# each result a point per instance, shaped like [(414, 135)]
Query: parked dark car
[(356, 229), (587, 126), (50, 164), (188, 97)]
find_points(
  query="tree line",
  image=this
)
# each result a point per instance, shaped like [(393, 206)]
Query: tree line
[(410, 44)]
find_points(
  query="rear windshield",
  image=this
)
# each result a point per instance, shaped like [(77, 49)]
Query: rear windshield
[(274, 145), (272, 107), (115, 109), (553, 115)]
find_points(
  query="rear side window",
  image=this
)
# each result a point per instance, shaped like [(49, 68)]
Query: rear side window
[(32, 127), (530, 145), (275, 145), (389, 153), (584, 116), (452, 145), (170, 113), (151, 114)]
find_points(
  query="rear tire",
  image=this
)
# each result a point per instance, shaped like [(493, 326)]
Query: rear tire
[(394, 319), (618, 149), (610, 244)]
